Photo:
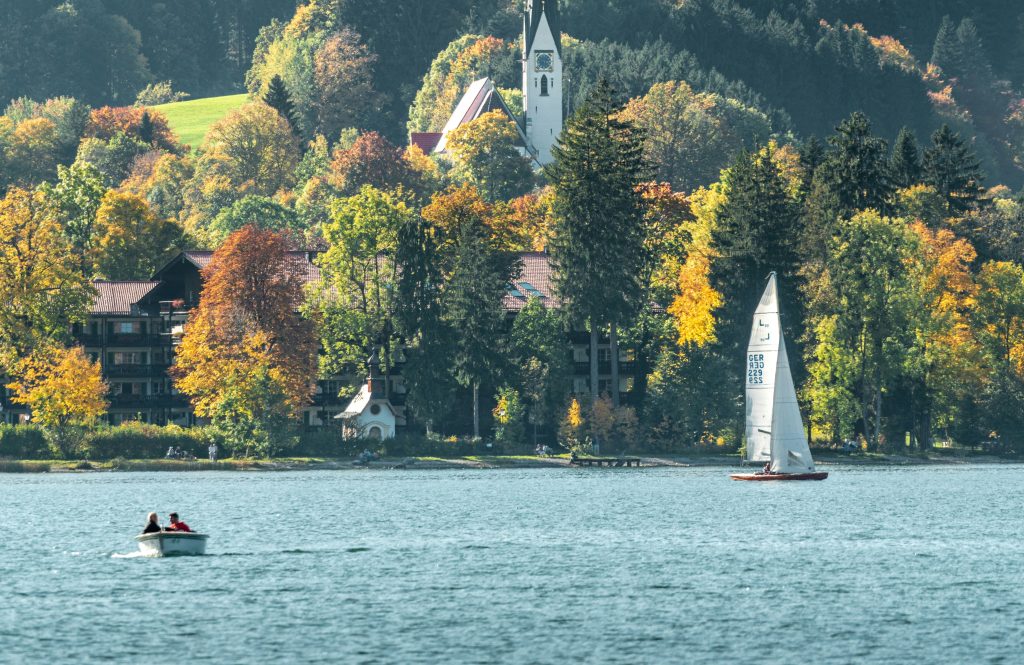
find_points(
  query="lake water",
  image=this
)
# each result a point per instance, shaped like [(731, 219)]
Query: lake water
[(875, 564)]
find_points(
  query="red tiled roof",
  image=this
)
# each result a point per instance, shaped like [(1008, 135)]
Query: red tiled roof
[(535, 281), (426, 141), (118, 297)]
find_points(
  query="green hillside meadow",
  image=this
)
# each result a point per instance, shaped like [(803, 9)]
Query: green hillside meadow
[(191, 119)]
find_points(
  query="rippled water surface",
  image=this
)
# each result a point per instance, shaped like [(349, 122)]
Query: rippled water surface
[(920, 564)]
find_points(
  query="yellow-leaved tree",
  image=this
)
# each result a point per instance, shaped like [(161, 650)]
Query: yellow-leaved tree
[(570, 432), (65, 391), (42, 290)]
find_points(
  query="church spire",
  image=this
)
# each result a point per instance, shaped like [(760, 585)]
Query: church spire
[(536, 9), (542, 78)]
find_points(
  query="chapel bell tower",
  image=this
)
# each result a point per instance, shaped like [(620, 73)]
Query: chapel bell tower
[(542, 77)]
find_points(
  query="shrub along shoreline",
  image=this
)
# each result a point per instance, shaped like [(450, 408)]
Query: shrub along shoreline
[(143, 447)]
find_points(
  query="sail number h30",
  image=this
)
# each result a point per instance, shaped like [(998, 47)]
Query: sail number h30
[(755, 368)]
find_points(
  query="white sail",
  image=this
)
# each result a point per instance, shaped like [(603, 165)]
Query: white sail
[(774, 429), (762, 358), (789, 450)]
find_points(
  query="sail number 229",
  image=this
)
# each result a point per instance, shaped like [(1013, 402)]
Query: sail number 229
[(755, 368)]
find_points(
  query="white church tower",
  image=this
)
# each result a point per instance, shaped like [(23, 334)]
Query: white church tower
[(542, 78)]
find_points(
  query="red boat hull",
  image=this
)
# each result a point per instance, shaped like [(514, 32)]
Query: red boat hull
[(817, 475)]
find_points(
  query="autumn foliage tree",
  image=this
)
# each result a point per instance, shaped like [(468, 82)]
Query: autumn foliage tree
[(42, 290), (130, 239), (65, 391), (371, 160), (147, 125), (253, 148), (484, 155), (343, 74), (248, 359)]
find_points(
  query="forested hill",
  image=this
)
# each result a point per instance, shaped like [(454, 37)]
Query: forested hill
[(806, 63)]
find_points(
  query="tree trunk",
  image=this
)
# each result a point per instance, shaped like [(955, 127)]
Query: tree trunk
[(476, 410), (613, 340), (878, 414), (594, 394)]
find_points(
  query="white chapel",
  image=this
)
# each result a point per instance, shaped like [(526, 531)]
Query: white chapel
[(541, 120)]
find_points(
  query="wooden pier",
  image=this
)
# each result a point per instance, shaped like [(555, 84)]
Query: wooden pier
[(605, 461)]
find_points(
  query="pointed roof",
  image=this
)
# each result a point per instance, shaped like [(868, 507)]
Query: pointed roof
[(119, 297), (531, 23), (481, 97)]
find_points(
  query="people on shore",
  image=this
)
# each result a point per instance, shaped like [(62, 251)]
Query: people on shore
[(213, 452), (177, 524), (170, 453), (152, 524)]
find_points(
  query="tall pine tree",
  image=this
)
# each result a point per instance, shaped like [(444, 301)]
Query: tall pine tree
[(973, 63), (473, 305), (952, 169), (597, 243), (428, 352), (905, 161), (946, 51), (854, 176), (278, 98), (755, 234)]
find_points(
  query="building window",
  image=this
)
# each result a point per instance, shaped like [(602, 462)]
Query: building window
[(375, 433), (375, 409), (128, 327), (129, 357), (543, 86)]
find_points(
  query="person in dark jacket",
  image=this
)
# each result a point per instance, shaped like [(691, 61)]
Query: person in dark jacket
[(153, 525)]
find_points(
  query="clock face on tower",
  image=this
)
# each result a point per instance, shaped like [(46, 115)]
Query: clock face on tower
[(544, 61)]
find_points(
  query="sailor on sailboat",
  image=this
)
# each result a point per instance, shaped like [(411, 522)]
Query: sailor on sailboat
[(775, 431)]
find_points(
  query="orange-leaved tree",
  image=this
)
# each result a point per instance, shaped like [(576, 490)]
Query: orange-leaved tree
[(248, 358), (65, 390)]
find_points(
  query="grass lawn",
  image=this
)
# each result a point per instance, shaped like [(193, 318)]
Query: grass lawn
[(191, 119)]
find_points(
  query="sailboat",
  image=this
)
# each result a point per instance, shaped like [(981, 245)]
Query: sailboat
[(775, 431)]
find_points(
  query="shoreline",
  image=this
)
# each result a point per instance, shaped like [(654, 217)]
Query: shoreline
[(457, 463)]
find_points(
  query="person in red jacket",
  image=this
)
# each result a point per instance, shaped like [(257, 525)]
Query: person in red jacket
[(177, 525)]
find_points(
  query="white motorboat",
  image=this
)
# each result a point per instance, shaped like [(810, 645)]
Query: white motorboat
[(172, 543)]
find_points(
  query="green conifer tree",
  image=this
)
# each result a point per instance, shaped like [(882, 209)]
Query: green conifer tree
[(946, 51), (429, 384), (905, 161), (812, 155), (278, 98), (597, 244), (473, 309), (756, 232), (973, 62), (146, 127), (951, 167)]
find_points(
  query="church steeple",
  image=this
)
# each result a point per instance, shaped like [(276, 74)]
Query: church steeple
[(531, 22), (542, 78)]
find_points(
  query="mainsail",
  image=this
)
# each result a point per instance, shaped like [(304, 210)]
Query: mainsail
[(774, 429)]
